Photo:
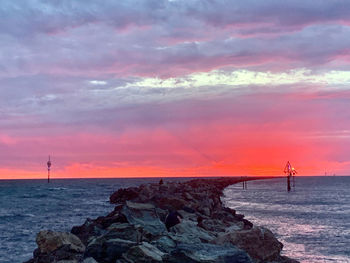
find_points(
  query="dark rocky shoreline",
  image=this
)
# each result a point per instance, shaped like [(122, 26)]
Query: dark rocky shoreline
[(135, 230)]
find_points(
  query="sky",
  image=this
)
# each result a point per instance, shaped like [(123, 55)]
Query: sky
[(174, 88)]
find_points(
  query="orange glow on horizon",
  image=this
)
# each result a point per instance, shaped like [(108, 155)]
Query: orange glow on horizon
[(215, 170), (231, 154), (235, 139)]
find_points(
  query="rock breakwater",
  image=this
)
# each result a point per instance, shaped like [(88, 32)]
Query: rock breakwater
[(135, 231)]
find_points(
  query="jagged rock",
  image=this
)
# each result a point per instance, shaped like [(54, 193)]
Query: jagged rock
[(49, 241), (123, 195), (145, 218), (122, 231), (247, 224), (96, 227), (284, 259), (144, 253), (89, 260), (207, 253), (165, 244), (188, 232), (88, 229), (259, 242), (170, 203), (107, 250), (61, 254)]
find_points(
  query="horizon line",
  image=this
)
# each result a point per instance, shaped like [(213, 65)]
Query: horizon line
[(164, 177)]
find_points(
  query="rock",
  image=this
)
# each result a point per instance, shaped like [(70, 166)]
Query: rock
[(89, 260), (123, 195), (247, 224), (49, 241), (229, 210), (218, 226), (188, 196), (107, 250), (204, 211), (207, 253), (170, 203), (239, 217), (144, 253), (165, 244), (122, 231), (188, 232), (284, 259), (61, 254), (259, 243), (139, 206), (188, 209), (96, 227), (145, 218), (88, 229)]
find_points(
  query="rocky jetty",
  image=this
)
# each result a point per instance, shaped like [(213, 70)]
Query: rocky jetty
[(135, 231)]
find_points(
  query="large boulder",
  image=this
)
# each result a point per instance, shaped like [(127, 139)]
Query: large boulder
[(188, 232), (124, 194), (107, 250), (96, 227), (145, 218), (207, 253), (89, 260), (258, 242), (49, 241), (144, 253), (57, 247), (123, 231), (60, 255), (165, 244)]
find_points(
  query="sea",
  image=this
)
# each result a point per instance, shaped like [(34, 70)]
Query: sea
[(312, 220)]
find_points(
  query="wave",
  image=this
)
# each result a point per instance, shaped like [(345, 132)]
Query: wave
[(57, 188)]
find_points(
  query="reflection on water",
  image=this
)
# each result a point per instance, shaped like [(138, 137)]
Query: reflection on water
[(313, 221)]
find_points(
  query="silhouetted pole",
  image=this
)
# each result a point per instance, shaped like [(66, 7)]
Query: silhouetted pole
[(244, 183), (288, 182), (290, 172), (48, 170)]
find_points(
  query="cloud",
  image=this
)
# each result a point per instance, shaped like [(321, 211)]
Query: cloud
[(50, 17), (177, 38), (98, 82)]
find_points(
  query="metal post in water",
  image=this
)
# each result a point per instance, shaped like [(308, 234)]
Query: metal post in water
[(48, 170), (288, 182), (244, 184), (290, 172)]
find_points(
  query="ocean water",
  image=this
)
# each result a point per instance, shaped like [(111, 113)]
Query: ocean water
[(312, 221)]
